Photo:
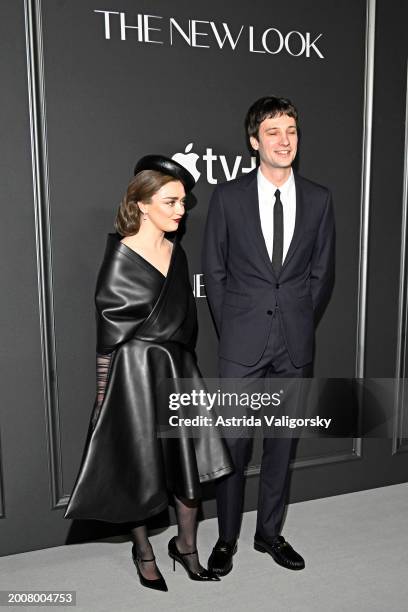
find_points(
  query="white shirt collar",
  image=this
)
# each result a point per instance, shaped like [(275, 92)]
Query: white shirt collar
[(268, 186)]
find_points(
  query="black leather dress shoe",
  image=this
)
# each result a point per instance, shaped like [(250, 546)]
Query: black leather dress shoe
[(281, 551), (220, 561)]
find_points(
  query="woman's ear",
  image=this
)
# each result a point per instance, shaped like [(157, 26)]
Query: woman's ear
[(142, 207)]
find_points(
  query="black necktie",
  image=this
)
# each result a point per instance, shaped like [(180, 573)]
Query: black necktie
[(277, 254)]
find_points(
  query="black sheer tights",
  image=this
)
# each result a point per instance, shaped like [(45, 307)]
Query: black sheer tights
[(144, 553), (186, 510), (186, 539)]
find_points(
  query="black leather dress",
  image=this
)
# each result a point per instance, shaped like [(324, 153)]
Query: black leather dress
[(148, 323)]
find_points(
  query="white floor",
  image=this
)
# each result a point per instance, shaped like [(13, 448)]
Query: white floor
[(355, 547)]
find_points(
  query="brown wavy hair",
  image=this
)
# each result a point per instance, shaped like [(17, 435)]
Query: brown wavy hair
[(141, 188)]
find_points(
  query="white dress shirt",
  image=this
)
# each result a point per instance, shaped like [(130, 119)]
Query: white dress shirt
[(266, 199)]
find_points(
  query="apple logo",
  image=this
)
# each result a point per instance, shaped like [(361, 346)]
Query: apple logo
[(188, 160)]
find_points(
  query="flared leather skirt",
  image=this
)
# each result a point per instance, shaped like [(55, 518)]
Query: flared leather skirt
[(127, 468)]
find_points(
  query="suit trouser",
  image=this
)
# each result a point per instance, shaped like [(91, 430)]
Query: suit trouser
[(274, 363)]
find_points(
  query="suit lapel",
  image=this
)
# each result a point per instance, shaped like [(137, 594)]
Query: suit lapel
[(252, 220), (299, 223)]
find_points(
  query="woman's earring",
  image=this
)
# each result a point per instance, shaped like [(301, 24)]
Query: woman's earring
[(144, 216)]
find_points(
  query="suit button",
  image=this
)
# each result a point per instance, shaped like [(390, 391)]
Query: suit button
[(277, 285), (269, 312)]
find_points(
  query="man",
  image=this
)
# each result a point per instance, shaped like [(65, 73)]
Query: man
[(268, 261)]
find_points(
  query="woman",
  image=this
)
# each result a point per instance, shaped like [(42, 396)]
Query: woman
[(146, 331)]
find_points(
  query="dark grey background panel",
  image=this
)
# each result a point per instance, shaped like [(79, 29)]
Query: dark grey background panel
[(24, 457), (386, 190), (120, 99), (386, 335)]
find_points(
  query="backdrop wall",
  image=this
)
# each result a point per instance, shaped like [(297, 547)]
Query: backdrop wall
[(93, 86)]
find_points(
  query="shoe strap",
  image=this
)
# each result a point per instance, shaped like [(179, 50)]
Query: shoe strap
[(145, 560), (189, 553), (194, 552)]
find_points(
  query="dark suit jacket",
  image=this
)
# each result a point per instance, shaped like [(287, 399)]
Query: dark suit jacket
[(241, 286)]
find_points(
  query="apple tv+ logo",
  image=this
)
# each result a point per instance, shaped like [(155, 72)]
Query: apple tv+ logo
[(213, 165)]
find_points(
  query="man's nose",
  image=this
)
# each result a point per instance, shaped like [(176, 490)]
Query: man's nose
[(284, 139)]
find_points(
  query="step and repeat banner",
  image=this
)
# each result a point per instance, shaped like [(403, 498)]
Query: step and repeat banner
[(127, 78)]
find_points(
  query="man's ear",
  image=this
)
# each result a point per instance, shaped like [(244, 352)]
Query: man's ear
[(254, 143)]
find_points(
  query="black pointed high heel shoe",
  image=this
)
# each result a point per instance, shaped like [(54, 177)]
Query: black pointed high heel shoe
[(158, 584), (176, 555)]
